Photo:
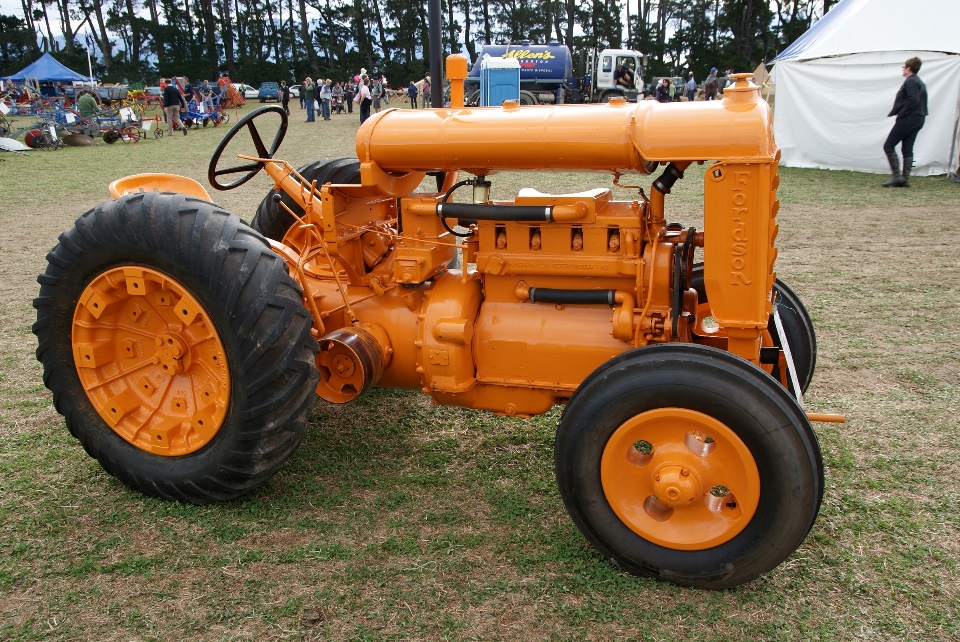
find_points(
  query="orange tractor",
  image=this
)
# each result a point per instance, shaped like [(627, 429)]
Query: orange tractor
[(184, 348)]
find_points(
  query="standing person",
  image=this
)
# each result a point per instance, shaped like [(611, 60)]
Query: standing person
[(309, 93), (710, 85), (285, 97), (365, 99), (663, 91), (300, 95), (672, 89), (206, 96), (691, 88), (326, 93), (425, 95), (910, 108), (377, 94), (348, 93), (383, 83), (173, 102), (412, 95)]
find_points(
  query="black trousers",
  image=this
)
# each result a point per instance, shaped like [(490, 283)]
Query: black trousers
[(904, 132)]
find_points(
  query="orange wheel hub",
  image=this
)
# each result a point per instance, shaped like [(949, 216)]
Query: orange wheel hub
[(151, 360), (680, 478)]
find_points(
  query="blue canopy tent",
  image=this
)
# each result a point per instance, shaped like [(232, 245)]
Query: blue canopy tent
[(45, 69)]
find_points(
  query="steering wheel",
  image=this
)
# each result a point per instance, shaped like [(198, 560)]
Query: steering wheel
[(251, 169)]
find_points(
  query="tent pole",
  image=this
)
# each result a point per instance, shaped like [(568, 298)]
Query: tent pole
[(953, 143)]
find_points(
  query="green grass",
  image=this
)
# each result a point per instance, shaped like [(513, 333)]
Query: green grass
[(400, 520)]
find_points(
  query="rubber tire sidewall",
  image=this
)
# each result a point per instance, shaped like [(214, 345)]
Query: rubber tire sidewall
[(273, 221), (797, 325), (734, 392), (235, 460)]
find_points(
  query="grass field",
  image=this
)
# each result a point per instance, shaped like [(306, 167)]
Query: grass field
[(399, 520)]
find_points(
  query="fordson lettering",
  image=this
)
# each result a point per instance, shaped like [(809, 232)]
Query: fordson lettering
[(739, 246)]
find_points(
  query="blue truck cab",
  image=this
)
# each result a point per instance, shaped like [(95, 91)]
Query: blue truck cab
[(269, 91)]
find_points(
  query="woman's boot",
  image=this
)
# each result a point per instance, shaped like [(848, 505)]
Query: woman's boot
[(907, 166), (896, 180)]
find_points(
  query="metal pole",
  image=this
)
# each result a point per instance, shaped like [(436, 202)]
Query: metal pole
[(436, 54)]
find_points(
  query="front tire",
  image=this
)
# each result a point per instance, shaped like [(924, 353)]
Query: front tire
[(797, 325), (176, 346), (654, 444)]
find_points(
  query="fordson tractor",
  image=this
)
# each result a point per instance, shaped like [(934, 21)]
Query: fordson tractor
[(186, 349)]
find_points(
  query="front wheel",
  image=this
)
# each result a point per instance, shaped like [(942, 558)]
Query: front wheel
[(797, 326), (176, 347), (689, 464)]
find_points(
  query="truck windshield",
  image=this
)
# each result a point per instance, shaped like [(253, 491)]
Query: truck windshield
[(629, 64)]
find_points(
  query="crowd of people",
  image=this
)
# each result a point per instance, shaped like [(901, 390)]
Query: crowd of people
[(667, 91), (368, 93)]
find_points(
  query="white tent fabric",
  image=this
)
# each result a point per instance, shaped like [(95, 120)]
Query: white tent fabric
[(837, 82)]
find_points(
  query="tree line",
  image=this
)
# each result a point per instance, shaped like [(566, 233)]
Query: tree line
[(257, 40)]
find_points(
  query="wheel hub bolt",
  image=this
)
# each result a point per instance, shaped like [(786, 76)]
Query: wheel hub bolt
[(169, 354), (343, 365), (675, 486)]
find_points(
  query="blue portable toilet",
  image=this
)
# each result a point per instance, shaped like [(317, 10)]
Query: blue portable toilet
[(499, 81)]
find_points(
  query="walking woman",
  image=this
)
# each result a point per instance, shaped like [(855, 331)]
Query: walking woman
[(365, 99), (910, 108)]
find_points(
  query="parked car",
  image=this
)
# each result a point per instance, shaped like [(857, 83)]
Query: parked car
[(152, 91), (269, 91), (246, 90)]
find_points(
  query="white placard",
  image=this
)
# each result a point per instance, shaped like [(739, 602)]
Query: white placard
[(4, 109), (147, 124), (126, 114), (202, 110), (70, 118), (53, 131)]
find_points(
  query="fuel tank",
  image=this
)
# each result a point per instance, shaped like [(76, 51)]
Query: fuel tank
[(611, 137)]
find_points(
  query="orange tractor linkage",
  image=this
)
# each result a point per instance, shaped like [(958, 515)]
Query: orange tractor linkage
[(196, 343)]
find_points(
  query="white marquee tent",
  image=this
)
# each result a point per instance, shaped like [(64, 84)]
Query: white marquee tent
[(837, 82)]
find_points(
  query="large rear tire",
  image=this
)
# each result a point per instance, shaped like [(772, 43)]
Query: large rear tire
[(689, 464), (273, 221), (176, 346), (797, 325)]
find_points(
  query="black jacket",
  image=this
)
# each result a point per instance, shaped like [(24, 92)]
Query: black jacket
[(911, 100), (172, 97)]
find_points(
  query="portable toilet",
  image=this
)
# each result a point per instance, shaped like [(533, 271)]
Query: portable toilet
[(499, 81)]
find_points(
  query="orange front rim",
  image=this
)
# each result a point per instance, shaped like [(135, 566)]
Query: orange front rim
[(151, 360), (680, 479)]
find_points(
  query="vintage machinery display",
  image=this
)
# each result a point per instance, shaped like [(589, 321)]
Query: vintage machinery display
[(184, 348)]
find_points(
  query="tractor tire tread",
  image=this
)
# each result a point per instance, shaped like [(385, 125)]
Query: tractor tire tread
[(250, 298), (721, 385)]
